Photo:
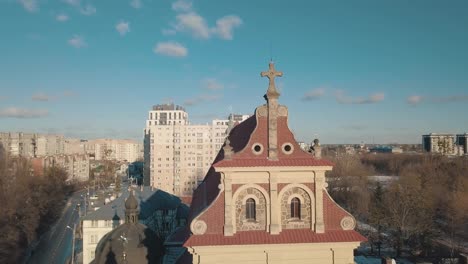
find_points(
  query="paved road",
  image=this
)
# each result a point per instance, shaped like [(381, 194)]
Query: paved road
[(55, 246)]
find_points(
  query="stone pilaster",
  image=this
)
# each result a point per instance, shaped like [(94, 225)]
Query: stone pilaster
[(275, 209), (273, 128), (228, 217), (319, 187)]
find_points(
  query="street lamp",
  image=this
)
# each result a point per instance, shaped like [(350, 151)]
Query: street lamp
[(73, 243)]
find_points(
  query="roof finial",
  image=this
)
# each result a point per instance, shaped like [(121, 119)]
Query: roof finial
[(272, 74)]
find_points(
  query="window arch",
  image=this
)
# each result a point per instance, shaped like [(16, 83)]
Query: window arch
[(250, 212), (295, 208)]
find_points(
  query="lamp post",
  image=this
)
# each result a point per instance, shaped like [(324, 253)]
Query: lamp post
[(73, 243)]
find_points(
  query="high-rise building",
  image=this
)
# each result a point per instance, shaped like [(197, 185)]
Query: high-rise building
[(462, 140), (439, 143), (178, 154)]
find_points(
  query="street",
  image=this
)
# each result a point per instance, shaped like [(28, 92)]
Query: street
[(55, 246)]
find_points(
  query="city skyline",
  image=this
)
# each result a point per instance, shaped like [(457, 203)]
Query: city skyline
[(93, 69)]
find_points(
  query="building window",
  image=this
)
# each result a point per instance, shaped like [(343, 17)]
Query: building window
[(295, 208), (250, 209)]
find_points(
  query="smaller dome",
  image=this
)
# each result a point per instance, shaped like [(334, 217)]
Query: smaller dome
[(131, 203)]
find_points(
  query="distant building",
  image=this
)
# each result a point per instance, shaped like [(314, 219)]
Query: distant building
[(74, 146), (76, 166), (462, 140), (32, 144), (114, 149), (439, 143), (385, 149), (159, 211), (178, 154)]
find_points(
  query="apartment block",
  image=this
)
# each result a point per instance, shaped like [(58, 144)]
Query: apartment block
[(178, 154)]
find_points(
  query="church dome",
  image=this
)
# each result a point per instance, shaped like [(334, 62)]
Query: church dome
[(131, 242), (131, 203)]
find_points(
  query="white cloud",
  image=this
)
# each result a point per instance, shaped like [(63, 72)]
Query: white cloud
[(344, 99), (168, 32), (225, 26), (15, 112), (414, 99), (417, 99), (212, 84), (62, 17), (42, 97), (30, 5), (136, 4), (77, 41), (73, 2), (313, 94), (123, 27), (88, 10), (171, 48), (194, 24), (182, 6), (201, 99)]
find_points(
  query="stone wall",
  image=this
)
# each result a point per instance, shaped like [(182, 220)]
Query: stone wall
[(260, 203), (306, 209)]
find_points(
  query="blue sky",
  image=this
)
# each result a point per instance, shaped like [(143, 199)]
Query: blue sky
[(382, 71)]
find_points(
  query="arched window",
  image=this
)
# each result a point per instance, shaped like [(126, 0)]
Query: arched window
[(295, 208), (250, 209)]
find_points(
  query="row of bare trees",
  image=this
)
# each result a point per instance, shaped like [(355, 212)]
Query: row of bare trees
[(428, 199), (29, 204)]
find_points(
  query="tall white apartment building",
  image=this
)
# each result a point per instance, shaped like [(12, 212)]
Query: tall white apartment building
[(114, 149), (439, 143), (178, 154)]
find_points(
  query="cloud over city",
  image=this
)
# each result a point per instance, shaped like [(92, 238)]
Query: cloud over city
[(16, 112), (77, 41), (190, 22), (30, 5), (418, 99), (123, 27), (313, 94), (212, 84), (342, 98), (171, 49)]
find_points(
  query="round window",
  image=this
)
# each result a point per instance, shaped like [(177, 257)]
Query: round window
[(287, 148), (257, 148)]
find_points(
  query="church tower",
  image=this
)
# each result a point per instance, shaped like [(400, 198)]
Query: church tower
[(264, 200)]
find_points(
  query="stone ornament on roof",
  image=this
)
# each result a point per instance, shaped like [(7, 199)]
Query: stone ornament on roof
[(271, 74)]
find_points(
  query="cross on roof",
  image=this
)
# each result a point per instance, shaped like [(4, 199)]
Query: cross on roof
[(272, 74)]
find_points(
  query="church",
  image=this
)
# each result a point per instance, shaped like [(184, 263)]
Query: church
[(264, 200)]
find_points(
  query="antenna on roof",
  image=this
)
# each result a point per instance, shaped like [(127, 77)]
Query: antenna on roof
[(271, 51)]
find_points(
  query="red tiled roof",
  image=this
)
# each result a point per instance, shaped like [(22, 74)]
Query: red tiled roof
[(271, 163), (290, 236)]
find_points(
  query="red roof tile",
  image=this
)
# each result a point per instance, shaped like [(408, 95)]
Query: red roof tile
[(290, 236)]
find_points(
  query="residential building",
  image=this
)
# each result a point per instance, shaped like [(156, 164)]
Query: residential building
[(114, 149), (264, 200), (77, 166), (178, 154), (31, 144), (462, 140), (74, 146), (159, 211), (439, 143)]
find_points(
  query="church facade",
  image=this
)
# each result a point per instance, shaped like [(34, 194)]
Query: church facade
[(264, 200)]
